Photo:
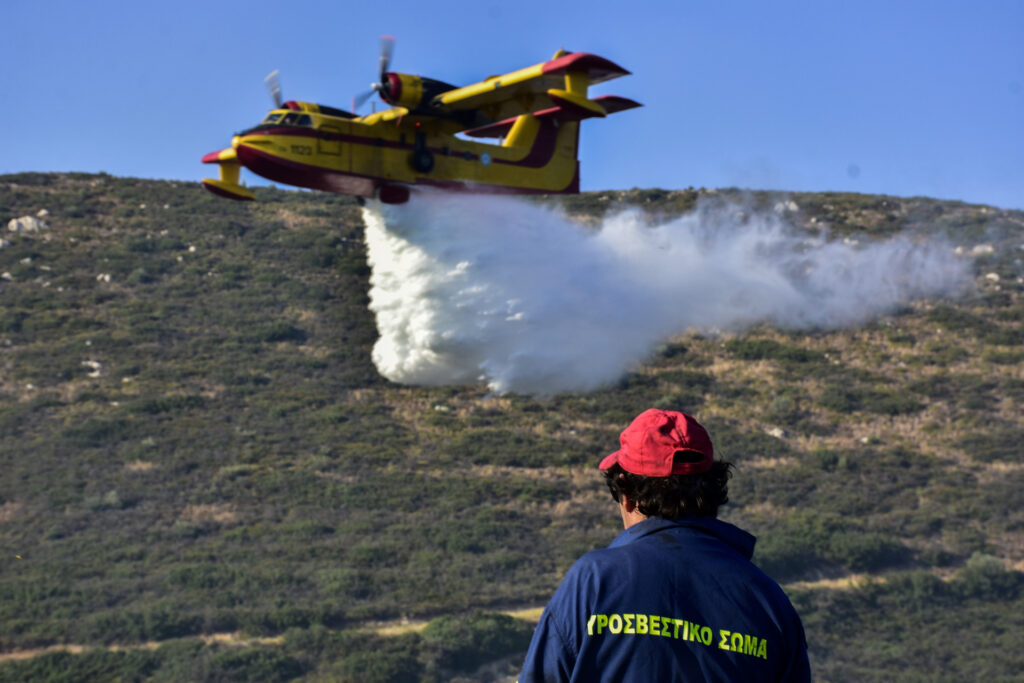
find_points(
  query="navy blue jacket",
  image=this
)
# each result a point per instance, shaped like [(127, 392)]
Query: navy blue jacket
[(669, 600)]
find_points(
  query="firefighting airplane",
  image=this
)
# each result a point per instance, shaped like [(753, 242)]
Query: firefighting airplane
[(421, 140)]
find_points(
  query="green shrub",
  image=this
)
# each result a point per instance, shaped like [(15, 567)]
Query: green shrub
[(785, 557), (954, 319), (732, 443), (250, 664), (98, 431), (379, 660), (166, 404), (1004, 336), (281, 332), (1004, 357), (839, 399), (831, 461), (93, 665), (889, 403), (464, 642), (769, 349), (860, 552), (510, 448), (110, 500), (1005, 444), (987, 577)]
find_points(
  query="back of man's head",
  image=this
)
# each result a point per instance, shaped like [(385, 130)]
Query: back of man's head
[(667, 468)]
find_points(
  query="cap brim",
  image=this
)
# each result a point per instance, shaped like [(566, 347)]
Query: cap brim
[(607, 463)]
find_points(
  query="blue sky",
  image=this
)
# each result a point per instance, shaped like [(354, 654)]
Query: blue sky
[(903, 98)]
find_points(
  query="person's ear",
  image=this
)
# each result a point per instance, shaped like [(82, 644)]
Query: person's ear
[(627, 504)]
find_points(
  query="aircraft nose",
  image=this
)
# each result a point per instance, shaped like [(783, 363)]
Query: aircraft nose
[(235, 140)]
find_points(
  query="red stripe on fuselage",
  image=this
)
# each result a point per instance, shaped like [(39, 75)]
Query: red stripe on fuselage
[(290, 172), (304, 175), (540, 154)]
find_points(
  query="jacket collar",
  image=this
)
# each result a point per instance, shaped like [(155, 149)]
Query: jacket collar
[(733, 536)]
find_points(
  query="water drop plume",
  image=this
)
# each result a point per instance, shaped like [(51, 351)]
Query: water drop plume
[(517, 295)]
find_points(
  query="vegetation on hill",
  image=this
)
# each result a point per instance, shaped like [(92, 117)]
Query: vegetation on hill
[(194, 442)]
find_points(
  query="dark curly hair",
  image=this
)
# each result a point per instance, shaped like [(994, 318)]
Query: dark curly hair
[(675, 496)]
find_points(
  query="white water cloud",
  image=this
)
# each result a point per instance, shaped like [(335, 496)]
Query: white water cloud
[(498, 290)]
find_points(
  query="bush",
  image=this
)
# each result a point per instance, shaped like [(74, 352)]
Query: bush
[(784, 556), (831, 461), (98, 431), (510, 448), (839, 399), (1001, 444), (954, 319), (734, 444), (462, 643), (890, 403), (166, 404), (281, 332), (95, 665), (1004, 357), (110, 500), (253, 664), (986, 577), (769, 349), (808, 541), (380, 660), (690, 386), (866, 552)]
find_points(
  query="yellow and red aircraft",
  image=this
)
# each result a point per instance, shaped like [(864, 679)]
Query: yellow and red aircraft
[(421, 140)]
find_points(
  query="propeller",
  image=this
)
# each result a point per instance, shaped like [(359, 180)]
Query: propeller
[(274, 85), (387, 48)]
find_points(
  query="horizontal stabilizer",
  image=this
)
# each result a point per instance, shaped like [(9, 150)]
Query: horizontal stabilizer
[(492, 130), (597, 69), (612, 104), (565, 111)]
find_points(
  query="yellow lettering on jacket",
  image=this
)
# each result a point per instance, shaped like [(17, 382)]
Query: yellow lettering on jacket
[(677, 629)]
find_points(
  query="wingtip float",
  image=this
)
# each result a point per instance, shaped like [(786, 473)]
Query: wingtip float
[(534, 114)]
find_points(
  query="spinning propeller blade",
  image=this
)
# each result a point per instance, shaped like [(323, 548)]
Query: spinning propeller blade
[(359, 100), (274, 85), (387, 48)]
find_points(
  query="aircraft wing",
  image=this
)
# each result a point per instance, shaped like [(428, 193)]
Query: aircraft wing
[(526, 90)]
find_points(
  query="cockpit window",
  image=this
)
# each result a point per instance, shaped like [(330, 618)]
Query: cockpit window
[(289, 119)]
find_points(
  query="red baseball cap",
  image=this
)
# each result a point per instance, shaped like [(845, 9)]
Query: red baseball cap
[(651, 441)]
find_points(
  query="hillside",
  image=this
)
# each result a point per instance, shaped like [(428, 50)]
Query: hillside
[(205, 478)]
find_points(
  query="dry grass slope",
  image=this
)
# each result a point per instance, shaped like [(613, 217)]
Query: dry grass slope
[(194, 442)]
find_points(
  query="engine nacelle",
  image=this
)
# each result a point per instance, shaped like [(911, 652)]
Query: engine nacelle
[(411, 92)]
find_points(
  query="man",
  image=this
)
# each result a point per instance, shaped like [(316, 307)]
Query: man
[(675, 596)]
